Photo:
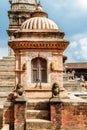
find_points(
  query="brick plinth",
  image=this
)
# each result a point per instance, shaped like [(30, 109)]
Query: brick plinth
[(8, 114), (1, 117), (68, 115), (19, 114)]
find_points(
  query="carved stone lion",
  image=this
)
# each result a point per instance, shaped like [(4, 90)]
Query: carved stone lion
[(20, 89), (18, 92), (55, 90)]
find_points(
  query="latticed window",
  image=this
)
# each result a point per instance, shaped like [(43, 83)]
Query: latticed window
[(15, 19), (23, 19), (39, 70)]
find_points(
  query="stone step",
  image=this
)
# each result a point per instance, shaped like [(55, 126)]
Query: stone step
[(2, 101), (7, 76), (8, 83), (7, 68), (7, 62), (39, 93), (9, 57), (6, 88), (38, 124), (7, 73), (74, 87), (38, 114), (4, 94), (38, 104)]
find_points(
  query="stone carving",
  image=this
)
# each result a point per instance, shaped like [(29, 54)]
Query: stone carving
[(39, 45), (24, 67), (52, 66), (71, 75), (12, 96), (55, 90), (19, 89), (82, 81), (16, 93)]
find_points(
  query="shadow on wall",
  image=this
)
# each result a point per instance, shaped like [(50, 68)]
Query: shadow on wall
[(1, 118)]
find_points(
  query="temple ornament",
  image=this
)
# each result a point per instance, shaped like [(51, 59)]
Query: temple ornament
[(16, 93), (19, 90), (55, 90), (52, 66), (24, 67)]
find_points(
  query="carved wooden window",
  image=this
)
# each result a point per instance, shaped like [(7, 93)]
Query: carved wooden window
[(23, 19), (39, 70), (15, 19)]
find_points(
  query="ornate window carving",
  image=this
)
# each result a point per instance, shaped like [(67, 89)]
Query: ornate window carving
[(39, 70), (15, 19), (23, 19)]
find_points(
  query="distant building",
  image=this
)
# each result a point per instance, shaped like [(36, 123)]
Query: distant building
[(79, 68)]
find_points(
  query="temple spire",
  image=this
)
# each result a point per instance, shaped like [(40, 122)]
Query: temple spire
[(39, 6)]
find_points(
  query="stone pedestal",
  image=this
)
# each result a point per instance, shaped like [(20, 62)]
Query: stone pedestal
[(8, 114), (1, 116), (19, 114), (68, 114)]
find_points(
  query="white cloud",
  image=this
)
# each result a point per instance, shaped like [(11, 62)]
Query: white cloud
[(74, 45), (83, 46), (3, 52), (82, 4), (77, 51)]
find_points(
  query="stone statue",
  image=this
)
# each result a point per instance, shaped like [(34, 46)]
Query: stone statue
[(55, 90), (82, 81), (71, 75), (19, 89), (16, 93)]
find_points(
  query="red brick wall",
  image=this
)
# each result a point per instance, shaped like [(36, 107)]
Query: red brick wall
[(19, 115), (67, 116), (14, 114), (8, 114), (1, 118)]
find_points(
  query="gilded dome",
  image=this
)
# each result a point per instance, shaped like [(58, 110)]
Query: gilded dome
[(39, 23)]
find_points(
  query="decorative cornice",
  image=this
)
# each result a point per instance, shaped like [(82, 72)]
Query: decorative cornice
[(50, 46)]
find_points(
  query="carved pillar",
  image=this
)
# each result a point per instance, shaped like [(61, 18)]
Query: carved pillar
[(18, 68)]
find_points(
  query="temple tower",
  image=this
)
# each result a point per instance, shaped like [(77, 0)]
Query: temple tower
[(38, 46), (20, 11)]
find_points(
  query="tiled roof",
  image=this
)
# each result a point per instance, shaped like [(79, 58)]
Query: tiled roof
[(79, 65)]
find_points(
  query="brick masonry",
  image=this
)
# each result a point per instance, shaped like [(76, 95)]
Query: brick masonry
[(1, 117), (19, 114), (8, 114), (69, 116)]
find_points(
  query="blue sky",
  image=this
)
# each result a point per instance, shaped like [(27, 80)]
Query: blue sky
[(69, 15)]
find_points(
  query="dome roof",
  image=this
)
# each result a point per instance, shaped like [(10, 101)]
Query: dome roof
[(39, 23)]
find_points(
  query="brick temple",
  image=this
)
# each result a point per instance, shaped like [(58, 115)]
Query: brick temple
[(35, 97)]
